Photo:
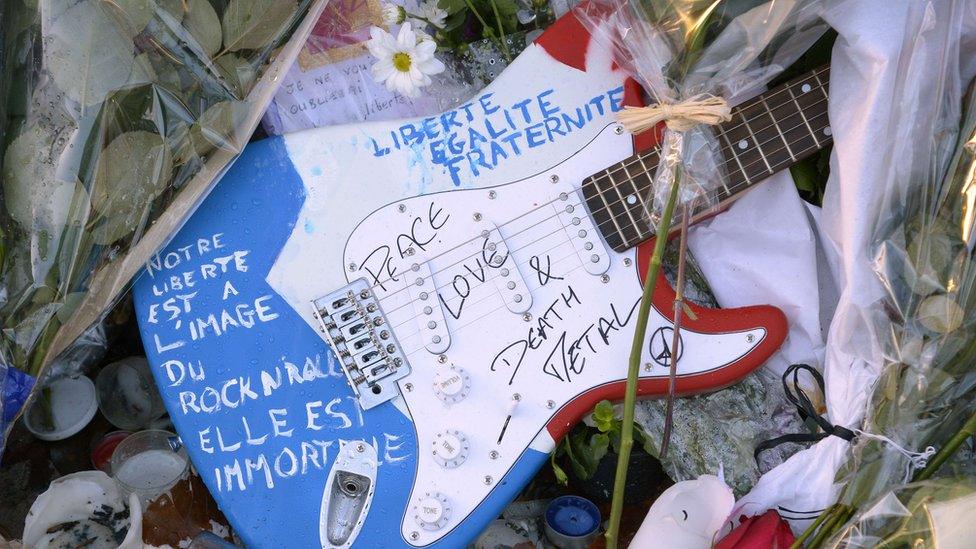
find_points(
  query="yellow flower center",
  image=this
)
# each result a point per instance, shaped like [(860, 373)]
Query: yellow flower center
[(401, 61)]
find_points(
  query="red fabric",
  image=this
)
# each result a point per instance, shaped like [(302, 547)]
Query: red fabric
[(767, 531)]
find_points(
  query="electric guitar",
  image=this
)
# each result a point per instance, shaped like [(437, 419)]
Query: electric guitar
[(375, 334)]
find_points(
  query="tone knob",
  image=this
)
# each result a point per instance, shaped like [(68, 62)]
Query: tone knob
[(450, 448), (432, 511), (452, 384)]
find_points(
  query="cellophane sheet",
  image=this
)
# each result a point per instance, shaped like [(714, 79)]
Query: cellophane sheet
[(116, 119), (894, 219), (679, 50)]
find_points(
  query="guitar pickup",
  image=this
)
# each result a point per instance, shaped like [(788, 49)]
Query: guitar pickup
[(359, 334), (509, 282), (427, 308), (584, 236)]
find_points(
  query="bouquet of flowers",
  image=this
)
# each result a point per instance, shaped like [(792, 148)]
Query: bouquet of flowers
[(923, 405), (118, 117)]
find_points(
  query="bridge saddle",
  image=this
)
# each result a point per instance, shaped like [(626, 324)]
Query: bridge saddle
[(355, 327)]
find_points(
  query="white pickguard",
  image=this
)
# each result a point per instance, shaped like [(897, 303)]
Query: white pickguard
[(570, 341), (575, 336)]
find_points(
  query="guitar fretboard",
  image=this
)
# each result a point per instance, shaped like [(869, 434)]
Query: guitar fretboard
[(766, 134)]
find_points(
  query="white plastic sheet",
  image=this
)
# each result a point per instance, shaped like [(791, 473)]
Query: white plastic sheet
[(761, 252)]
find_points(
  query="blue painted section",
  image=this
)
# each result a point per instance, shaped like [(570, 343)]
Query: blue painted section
[(15, 387), (263, 449)]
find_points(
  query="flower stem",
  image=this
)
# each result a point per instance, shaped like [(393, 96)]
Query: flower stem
[(968, 429), (484, 24), (678, 309), (837, 519), (630, 394), (824, 516), (501, 31)]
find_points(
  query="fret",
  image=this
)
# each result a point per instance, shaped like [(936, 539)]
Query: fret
[(759, 125), (744, 142), (818, 121), (775, 124), (645, 179), (820, 85), (731, 152), (806, 122), (823, 90), (637, 191), (793, 125), (625, 203), (773, 131), (605, 212)]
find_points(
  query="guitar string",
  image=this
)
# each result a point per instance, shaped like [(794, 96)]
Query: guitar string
[(607, 174), (386, 297), (739, 109), (512, 236), (481, 283), (488, 296), (640, 158), (488, 278), (533, 287)]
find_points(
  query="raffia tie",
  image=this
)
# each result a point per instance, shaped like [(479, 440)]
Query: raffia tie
[(683, 116)]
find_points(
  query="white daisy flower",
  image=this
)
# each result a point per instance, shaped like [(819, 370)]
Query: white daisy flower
[(434, 15), (421, 36), (393, 14), (403, 63)]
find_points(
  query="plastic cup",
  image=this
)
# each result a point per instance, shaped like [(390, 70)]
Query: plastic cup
[(572, 522), (103, 448), (127, 394), (70, 408), (149, 463)]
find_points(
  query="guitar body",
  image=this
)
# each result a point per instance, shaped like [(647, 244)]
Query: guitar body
[(512, 316)]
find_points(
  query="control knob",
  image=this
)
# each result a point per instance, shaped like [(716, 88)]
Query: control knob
[(432, 511), (450, 448), (452, 384)]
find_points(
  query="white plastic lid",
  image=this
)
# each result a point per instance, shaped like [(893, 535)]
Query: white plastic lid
[(73, 405)]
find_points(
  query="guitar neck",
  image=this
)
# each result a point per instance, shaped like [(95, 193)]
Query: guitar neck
[(765, 135)]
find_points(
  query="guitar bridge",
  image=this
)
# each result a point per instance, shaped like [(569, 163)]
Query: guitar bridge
[(361, 338)]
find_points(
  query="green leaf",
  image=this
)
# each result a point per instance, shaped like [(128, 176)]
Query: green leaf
[(599, 444), (508, 10), (603, 415), (202, 23), (130, 173), (142, 70), (33, 195), (253, 24), (216, 127), (132, 15), (69, 304), (453, 21), (452, 6), (561, 476), (86, 53), (238, 72), (176, 8), (804, 176), (168, 77)]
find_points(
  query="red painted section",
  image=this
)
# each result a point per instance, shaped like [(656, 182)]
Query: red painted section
[(567, 41), (708, 321)]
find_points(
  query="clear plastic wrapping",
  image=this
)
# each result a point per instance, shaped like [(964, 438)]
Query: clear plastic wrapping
[(117, 118), (921, 515), (681, 50), (920, 332)]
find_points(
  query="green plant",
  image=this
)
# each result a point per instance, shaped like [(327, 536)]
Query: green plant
[(586, 446), (473, 20)]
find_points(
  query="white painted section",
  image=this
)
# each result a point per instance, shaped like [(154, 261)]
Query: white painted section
[(363, 211)]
